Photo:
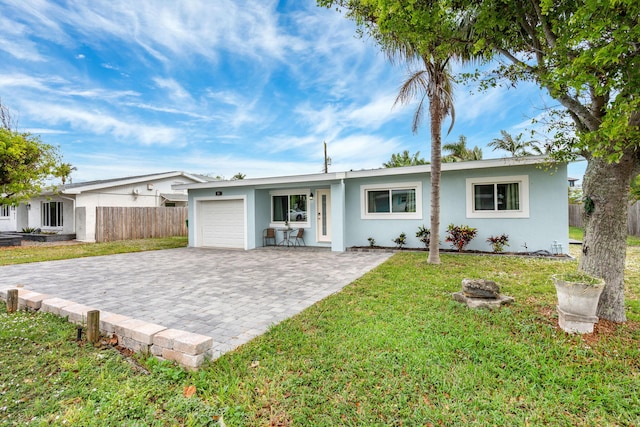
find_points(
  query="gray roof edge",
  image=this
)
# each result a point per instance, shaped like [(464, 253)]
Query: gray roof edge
[(77, 188)]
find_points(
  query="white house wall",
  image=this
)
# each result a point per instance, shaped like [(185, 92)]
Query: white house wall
[(146, 194), (31, 215), (9, 223)]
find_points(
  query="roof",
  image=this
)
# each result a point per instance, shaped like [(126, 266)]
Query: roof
[(77, 188), (337, 176)]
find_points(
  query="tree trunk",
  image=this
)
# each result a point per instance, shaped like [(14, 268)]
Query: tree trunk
[(436, 160), (606, 191)]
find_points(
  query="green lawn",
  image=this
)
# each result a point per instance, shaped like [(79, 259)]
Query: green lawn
[(577, 234), (24, 254), (391, 349)]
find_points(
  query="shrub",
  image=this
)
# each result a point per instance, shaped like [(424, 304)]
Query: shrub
[(498, 242), (424, 235), (400, 240), (372, 242), (460, 235)]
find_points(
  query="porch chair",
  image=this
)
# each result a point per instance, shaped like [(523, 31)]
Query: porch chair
[(299, 238), (268, 234)]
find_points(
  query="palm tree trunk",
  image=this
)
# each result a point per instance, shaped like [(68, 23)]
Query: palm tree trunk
[(435, 111)]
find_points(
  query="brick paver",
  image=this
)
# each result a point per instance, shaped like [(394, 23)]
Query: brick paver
[(231, 296)]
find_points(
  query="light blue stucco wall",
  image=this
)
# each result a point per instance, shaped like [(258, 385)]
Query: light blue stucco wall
[(382, 230), (547, 220)]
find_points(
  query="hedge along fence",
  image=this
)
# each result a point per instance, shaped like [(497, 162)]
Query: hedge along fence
[(633, 223), (113, 223)]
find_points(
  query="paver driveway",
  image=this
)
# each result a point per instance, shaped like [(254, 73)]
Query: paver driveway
[(229, 295)]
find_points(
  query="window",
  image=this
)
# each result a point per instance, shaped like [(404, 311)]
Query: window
[(289, 207), (4, 211), (52, 214), (393, 201), (504, 197)]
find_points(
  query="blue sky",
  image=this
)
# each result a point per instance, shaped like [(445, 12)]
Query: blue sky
[(128, 88)]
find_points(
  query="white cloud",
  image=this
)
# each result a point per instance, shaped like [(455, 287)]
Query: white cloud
[(361, 151), (175, 90), (100, 123), (376, 113), (165, 29)]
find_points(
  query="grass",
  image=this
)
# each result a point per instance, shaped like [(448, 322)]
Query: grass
[(25, 254), (578, 234), (391, 349)]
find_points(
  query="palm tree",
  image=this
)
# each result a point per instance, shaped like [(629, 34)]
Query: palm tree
[(433, 83), (64, 171), (515, 146), (459, 151), (405, 159)]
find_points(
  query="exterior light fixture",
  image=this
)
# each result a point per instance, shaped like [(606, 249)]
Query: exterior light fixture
[(311, 197)]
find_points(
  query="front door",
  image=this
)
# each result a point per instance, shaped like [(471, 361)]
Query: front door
[(324, 215)]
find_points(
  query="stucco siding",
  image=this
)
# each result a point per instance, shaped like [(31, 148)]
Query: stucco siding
[(537, 221), (545, 224)]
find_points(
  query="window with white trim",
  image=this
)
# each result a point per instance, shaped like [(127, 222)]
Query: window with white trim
[(498, 197), (392, 201), (5, 211), (52, 214), (290, 206)]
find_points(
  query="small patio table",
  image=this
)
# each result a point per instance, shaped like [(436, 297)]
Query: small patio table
[(286, 236)]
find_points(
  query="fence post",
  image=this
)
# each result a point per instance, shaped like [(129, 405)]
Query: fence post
[(12, 300), (93, 326)]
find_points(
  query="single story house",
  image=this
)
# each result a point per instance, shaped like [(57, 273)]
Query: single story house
[(71, 209), (521, 197)]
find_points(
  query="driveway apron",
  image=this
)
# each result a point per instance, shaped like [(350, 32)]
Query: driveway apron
[(230, 295)]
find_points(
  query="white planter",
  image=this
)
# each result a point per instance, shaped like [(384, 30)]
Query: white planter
[(577, 304)]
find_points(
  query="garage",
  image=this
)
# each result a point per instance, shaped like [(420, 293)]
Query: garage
[(221, 223)]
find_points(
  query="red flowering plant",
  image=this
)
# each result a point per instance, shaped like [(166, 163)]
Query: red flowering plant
[(498, 242), (460, 235)]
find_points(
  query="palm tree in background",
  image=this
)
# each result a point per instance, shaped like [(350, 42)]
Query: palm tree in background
[(517, 147), (64, 172), (405, 159), (459, 151)]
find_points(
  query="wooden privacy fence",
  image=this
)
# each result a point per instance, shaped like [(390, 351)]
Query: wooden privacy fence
[(114, 223), (633, 224)]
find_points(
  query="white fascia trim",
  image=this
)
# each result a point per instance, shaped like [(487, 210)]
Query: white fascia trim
[(416, 185), (327, 178), (523, 212)]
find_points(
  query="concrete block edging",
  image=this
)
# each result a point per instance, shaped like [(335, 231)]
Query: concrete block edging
[(187, 349)]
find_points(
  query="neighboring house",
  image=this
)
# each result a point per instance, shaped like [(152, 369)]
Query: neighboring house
[(520, 197), (8, 218), (72, 207)]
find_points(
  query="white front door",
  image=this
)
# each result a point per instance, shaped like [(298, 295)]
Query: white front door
[(323, 224)]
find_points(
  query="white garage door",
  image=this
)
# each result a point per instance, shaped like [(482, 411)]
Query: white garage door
[(221, 223)]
